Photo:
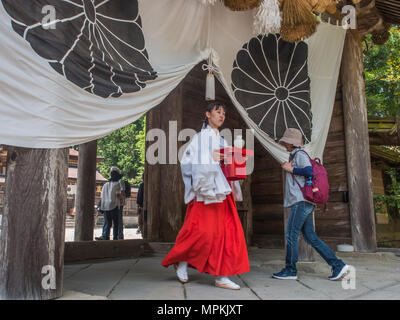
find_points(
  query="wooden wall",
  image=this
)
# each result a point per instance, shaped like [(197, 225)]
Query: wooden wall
[(333, 226), (267, 195)]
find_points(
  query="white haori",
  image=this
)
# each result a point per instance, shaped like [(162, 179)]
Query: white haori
[(109, 195), (202, 175)]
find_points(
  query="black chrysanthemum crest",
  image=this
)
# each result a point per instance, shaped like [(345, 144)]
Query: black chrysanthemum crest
[(96, 44), (270, 80)]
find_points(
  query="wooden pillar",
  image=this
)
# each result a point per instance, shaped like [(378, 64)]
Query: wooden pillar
[(306, 252), (144, 210), (164, 181), (357, 145), (152, 185), (171, 182), (85, 192), (33, 224)]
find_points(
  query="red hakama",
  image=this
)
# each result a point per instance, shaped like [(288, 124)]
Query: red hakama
[(211, 239)]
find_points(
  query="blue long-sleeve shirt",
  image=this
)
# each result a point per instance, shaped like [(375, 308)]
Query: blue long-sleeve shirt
[(305, 172)]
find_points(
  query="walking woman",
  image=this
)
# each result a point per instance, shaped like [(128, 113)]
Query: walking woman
[(211, 239)]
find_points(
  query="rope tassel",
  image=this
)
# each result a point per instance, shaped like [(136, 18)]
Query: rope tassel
[(240, 5), (210, 87), (268, 18), (208, 1), (298, 21), (297, 12), (210, 78)]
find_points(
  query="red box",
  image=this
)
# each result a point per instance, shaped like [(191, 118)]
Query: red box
[(234, 167)]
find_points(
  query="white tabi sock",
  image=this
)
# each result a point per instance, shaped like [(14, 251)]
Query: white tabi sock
[(224, 280), (181, 271)]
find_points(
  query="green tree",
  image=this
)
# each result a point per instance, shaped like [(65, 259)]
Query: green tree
[(382, 75), (390, 200), (125, 148)]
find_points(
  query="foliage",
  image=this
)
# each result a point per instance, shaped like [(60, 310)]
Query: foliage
[(391, 200), (125, 148), (382, 75)]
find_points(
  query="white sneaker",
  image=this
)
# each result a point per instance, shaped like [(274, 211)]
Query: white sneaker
[(226, 283), (337, 274), (181, 271)]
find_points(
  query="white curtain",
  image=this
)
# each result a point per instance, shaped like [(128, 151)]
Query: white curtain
[(40, 108), (324, 57)]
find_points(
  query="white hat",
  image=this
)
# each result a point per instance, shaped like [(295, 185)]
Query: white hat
[(115, 169), (292, 136)]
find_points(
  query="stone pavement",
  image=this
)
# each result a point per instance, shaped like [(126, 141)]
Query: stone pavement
[(377, 277)]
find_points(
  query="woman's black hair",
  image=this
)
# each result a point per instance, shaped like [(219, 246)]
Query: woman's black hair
[(215, 104)]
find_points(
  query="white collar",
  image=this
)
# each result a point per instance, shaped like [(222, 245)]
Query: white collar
[(209, 128)]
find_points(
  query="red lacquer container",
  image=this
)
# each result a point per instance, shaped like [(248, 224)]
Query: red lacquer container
[(234, 167)]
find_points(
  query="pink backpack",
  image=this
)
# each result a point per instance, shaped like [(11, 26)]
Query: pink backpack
[(318, 191)]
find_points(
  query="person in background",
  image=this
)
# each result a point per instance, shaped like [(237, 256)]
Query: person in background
[(301, 218), (121, 207), (110, 203), (139, 202)]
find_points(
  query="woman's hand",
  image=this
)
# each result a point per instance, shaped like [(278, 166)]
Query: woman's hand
[(218, 156), (287, 166)]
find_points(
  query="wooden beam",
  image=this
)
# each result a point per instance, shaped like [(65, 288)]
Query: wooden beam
[(369, 19), (357, 145), (383, 139), (99, 250), (85, 192), (390, 10), (33, 224)]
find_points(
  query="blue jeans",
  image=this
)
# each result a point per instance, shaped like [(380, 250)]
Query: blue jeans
[(120, 224), (110, 219), (302, 219)]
